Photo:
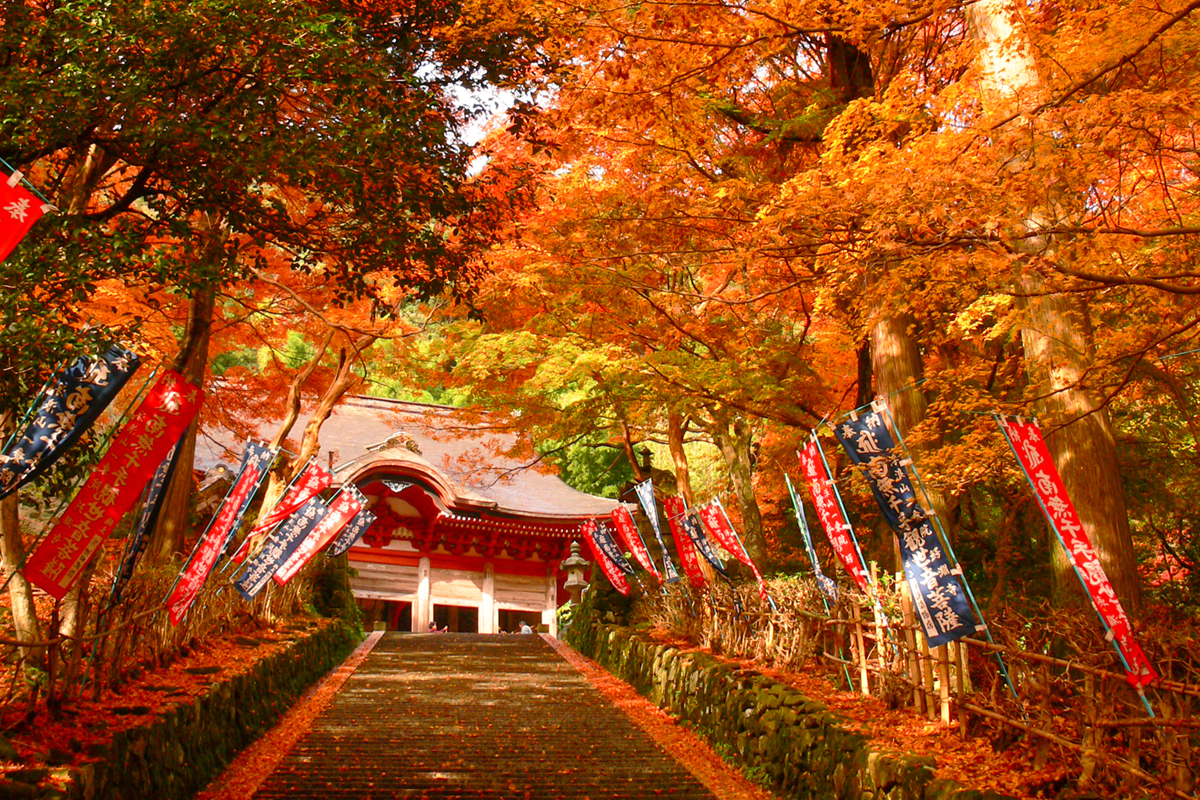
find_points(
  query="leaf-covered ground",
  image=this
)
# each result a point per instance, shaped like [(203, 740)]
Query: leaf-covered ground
[(83, 725)]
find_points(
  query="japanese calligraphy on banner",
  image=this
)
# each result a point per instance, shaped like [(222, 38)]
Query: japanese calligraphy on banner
[(1027, 444), (19, 209), (837, 529), (279, 548), (311, 482), (256, 460), (342, 509), (694, 528), (627, 530), (615, 575), (74, 400), (115, 484), (717, 522), (147, 519), (826, 584), (645, 495), (350, 534), (675, 508), (937, 595)]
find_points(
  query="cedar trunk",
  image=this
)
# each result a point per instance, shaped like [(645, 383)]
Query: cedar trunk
[(1057, 346), (191, 363), (1084, 448)]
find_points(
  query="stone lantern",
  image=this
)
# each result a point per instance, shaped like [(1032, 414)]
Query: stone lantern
[(574, 565)]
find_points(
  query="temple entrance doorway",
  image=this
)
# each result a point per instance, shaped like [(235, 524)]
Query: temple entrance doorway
[(395, 614), (456, 619)]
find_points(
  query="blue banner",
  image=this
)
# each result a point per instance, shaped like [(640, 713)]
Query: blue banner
[(645, 494), (147, 519), (826, 584), (279, 548), (694, 528), (937, 595), (350, 534), (608, 543), (74, 400)]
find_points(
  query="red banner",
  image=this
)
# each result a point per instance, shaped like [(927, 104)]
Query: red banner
[(713, 515), (115, 485), (611, 571), (18, 211), (195, 573), (312, 481), (683, 544), (627, 530), (1031, 451), (830, 513), (342, 509)]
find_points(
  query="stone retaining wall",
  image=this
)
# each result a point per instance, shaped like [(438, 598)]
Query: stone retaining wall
[(181, 752), (793, 744)]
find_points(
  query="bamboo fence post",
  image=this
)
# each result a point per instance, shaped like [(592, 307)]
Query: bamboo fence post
[(960, 660), (927, 670), (943, 656), (1184, 778), (1088, 757), (864, 683), (910, 646), (1134, 757)]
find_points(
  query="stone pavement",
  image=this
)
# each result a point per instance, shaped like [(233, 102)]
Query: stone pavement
[(470, 716)]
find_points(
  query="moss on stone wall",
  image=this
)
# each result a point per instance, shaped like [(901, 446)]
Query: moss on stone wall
[(793, 744), (181, 752)]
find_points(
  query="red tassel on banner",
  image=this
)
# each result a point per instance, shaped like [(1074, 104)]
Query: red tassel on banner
[(115, 485)]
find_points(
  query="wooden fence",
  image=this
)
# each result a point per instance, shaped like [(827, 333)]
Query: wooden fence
[(1072, 701)]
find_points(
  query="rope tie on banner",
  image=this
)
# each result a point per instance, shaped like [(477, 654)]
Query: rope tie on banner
[(1108, 632), (69, 495), (945, 541)]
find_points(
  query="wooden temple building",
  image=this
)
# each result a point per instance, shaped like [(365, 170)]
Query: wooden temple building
[(465, 537)]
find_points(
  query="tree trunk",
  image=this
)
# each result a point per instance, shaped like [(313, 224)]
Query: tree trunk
[(1084, 449), (191, 363), (12, 550), (1058, 349), (677, 425), (639, 474), (733, 437)]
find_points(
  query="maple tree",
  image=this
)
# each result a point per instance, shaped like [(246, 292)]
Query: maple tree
[(768, 214)]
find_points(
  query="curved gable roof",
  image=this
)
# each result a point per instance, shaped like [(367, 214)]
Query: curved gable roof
[(462, 460)]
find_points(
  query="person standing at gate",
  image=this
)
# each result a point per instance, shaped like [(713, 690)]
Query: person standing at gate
[(525, 627)]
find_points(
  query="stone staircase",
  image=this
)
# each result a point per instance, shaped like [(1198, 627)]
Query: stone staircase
[(470, 716)]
